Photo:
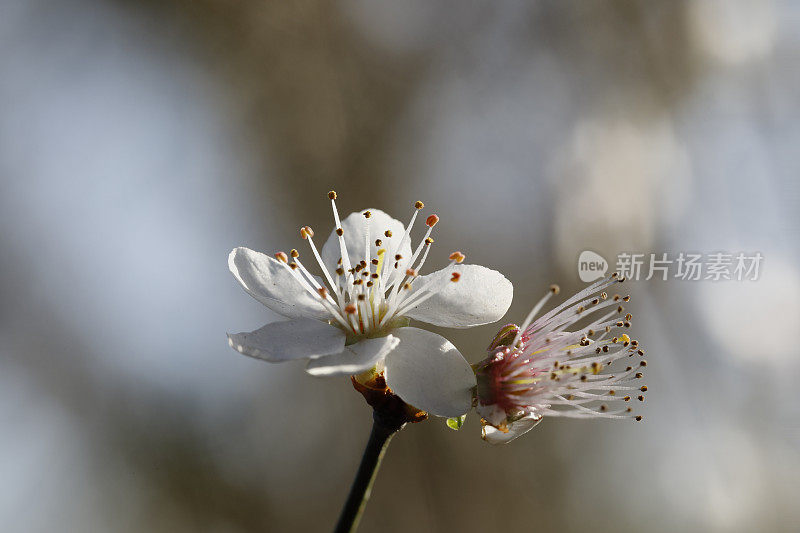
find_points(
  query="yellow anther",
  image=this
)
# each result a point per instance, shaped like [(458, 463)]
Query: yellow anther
[(458, 257)]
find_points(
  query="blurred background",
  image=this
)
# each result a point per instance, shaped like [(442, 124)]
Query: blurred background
[(141, 140)]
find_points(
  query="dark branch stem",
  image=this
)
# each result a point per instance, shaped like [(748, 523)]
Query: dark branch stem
[(382, 432)]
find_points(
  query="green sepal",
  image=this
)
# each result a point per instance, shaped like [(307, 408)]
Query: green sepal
[(456, 423)]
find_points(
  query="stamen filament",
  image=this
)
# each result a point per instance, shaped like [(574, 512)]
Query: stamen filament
[(342, 246), (323, 300), (324, 269), (391, 275), (529, 318)]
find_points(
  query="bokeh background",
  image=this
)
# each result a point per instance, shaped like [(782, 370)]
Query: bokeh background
[(141, 140)]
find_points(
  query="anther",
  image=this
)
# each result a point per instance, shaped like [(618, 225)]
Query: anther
[(429, 241), (627, 398), (388, 233), (350, 308), (375, 275), (406, 286), (642, 363), (411, 272), (455, 277), (306, 232), (332, 195), (555, 289), (418, 205), (398, 257), (612, 392), (639, 375), (339, 232), (367, 214), (629, 317), (579, 310), (643, 388), (293, 265), (639, 418), (458, 257), (431, 221), (640, 398), (280, 256), (340, 271), (323, 292), (603, 407), (361, 297), (375, 261), (378, 242), (626, 299), (370, 284), (603, 295)]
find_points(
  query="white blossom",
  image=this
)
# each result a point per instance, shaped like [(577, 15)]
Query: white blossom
[(355, 318), (543, 369)]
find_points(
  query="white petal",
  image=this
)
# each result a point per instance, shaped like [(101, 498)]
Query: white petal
[(354, 227), (269, 282), (492, 413), (480, 296), (355, 358), (294, 339), (428, 372), (493, 435)]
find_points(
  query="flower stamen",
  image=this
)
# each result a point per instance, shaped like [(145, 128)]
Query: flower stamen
[(546, 370)]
